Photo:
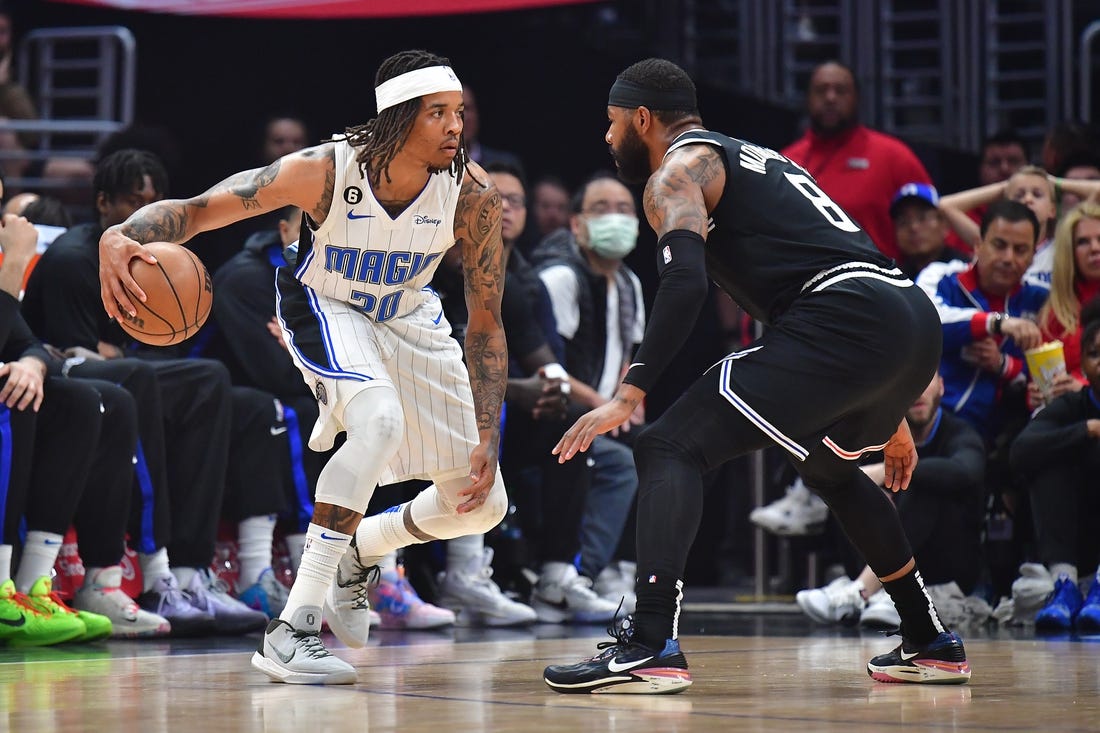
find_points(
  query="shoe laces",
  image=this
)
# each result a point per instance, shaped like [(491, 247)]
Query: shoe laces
[(310, 644), (360, 578), (621, 632)]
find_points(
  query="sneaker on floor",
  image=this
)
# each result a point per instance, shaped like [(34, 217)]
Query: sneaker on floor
[(347, 602), (800, 512), (562, 595), (1030, 591), (476, 600), (165, 599), (623, 666), (941, 661), (210, 594), (880, 612), (1061, 608), (103, 594), (266, 595), (22, 624), (292, 652), (48, 603), (615, 583), (838, 602), (1088, 618), (400, 607)]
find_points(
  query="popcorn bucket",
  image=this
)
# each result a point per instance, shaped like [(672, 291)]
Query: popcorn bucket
[(1045, 363)]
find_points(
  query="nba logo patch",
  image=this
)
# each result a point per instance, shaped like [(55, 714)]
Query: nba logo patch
[(653, 578), (667, 254), (322, 393)]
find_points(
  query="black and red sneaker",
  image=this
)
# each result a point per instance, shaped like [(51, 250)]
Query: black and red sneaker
[(940, 662), (624, 666)]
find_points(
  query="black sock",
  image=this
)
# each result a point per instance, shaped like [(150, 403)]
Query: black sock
[(919, 619), (658, 612)]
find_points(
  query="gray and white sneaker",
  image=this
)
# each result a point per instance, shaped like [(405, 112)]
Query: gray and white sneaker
[(102, 594), (293, 653), (563, 595), (476, 600), (347, 608), (838, 602), (615, 583), (209, 593)]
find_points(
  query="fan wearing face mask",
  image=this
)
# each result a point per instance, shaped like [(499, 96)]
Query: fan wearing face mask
[(598, 307)]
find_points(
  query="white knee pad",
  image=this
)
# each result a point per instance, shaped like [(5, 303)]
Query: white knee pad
[(376, 426), (433, 511)]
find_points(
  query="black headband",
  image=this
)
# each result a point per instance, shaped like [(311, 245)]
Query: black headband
[(628, 94)]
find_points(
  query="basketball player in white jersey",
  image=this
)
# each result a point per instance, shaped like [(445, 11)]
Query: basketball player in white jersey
[(382, 203)]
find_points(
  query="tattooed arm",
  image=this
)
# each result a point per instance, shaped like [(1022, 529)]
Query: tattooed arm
[(305, 179), (477, 229), (675, 201)]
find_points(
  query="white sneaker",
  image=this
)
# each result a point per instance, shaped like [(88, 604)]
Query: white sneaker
[(880, 612), (210, 594), (563, 595), (615, 583), (347, 608), (1030, 591), (102, 594), (476, 600), (800, 512), (293, 653), (839, 602)]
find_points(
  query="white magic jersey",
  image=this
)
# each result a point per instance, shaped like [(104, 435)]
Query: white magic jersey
[(376, 263)]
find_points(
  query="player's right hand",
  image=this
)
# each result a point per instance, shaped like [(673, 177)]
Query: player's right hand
[(116, 284)]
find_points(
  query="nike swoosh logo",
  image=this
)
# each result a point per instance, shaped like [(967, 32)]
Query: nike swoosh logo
[(614, 666), (285, 657), (278, 431), (353, 215), (906, 657), (14, 622), (436, 319), (51, 542), (637, 363), (329, 537)]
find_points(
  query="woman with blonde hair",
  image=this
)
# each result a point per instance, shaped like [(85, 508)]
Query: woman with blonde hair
[(1075, 280)]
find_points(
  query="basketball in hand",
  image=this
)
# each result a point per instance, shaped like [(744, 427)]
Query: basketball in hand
[(178, 292)]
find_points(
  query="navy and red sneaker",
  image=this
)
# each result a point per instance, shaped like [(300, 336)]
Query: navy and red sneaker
[(624, 666), (942, 661)]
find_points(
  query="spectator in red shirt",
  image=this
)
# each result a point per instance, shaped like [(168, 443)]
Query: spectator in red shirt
[(861, 169)]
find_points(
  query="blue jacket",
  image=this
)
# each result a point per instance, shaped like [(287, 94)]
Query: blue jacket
[(970, 392)]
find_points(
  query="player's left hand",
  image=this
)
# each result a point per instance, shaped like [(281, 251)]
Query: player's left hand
[(483, 473), (603, 419), (116, 284), (900, 459)]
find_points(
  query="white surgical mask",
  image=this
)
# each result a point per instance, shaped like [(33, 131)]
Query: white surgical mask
[(612, 235)]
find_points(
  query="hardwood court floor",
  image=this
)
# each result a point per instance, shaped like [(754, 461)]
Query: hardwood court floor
[(752, 673)]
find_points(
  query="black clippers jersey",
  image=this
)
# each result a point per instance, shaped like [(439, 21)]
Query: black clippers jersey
[(774, 230)]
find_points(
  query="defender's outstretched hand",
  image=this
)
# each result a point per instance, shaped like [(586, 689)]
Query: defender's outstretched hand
[(603, 419)]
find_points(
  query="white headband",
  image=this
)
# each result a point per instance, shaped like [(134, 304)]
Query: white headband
[(415, 84)]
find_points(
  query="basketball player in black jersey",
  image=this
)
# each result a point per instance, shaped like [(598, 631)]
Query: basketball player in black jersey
[(849, 344)]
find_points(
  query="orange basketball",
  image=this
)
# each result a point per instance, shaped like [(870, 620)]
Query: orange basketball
[(178, 291)]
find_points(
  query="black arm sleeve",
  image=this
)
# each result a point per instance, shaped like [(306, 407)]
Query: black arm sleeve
[(682, 264)]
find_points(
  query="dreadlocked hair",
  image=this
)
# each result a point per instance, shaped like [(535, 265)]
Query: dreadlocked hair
[(379, 139)]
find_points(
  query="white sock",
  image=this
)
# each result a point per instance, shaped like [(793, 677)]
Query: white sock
[(295, 543), (381, 534), (153, 566), (461, 550), (254, 536), (39, 554), (1056, 569), (184, 575), (323, 550), (5, 563)]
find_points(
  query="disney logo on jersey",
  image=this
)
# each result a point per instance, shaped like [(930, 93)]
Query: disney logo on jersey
[(419, 219)]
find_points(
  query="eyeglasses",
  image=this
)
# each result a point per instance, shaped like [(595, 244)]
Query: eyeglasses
[(515, 200)]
